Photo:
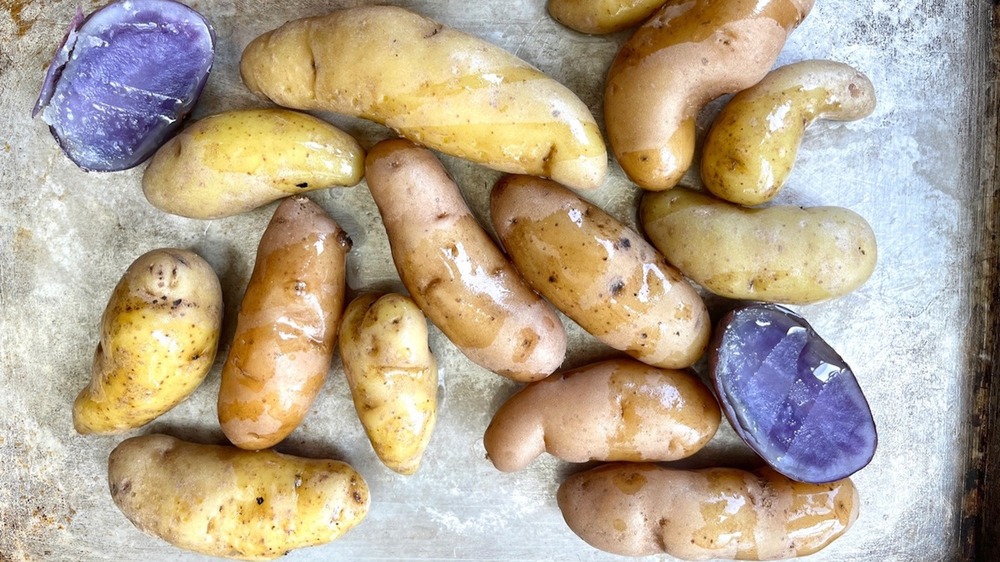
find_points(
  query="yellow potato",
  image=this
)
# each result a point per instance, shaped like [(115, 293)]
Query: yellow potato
[(752, 145), (782, 254), (689, 53), (637, 509), (223, 501), (393, 376), (599, 272), (602, 16), (434, 85), (236, 161), (159, 334), (616, 410)]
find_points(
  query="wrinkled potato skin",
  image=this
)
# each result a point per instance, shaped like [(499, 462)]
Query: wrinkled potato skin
[(223, 501), (434, 85), (455, 272), (686, 55), (602, 16), (393, 376), (159, 334), (636, 509), (616, 410), (287, 326), (752, 145), (233, 162), (781, 254), (599, 272)]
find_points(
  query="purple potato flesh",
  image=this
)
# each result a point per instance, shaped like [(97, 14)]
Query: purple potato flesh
[(124, 79), (790, 396)]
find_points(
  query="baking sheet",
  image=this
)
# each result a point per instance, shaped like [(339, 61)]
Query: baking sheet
[(912, 169)]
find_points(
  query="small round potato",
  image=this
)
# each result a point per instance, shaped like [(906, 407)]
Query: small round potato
[(616, 410), (752, 145), (781, 254), (236, 161), (638, 509), (159, 335), (393, 376), (599, 272), (223, 501), (602, 16)]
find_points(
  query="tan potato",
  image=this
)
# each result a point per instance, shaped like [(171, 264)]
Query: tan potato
[(159, 334), (599, 272), (236, 161), (688, 54), (433, 85), (616, 410), (455, 272), (602, 16), (782, 254), (752, 145), (287, 327), (637, 509), (393, 376), (224, 501)]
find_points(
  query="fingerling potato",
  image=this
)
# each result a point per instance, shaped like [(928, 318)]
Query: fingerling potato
[(223, 501), (287, 326), (159, 334), (602, 16)]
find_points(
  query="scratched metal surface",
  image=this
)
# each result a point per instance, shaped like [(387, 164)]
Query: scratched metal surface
[(66, 237)]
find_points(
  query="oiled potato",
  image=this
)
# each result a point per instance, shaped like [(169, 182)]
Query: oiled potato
[(236, 161), (637, 509), (455, 272), (393, 376), (752, 145), (433, 85), (159, 334), (602, 16), (615, 410), (782, 254), (599, 272), (689, 53), (223, 501), (287, 326)]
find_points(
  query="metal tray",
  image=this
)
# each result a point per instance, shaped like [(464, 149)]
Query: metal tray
[(921, 334)]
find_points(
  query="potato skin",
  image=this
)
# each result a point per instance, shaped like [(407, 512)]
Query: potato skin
[(455, 272), (393, 376), (602, 16), (159, 334), (637, 509), (434, 85), (236, 161), (752, 145), (287, 326), (686, 55), (615, 410), (223, 501), (781, 254), (599, 272)]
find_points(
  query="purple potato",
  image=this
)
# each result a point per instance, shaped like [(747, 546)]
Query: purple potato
[(124, 79), (790, 396)]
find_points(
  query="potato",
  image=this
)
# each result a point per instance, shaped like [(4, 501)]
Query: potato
[(615, 410), (781, 254), (688, 54), (641, 509), (236, 161), (223, 501), (752, 145), (455, 272), (287, 326), (433, 85), (602, 16), (159, 334), (393, 376), (599, 272)]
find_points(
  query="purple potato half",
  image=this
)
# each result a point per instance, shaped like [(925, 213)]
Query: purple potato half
[(124, 79), (790, 396)]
